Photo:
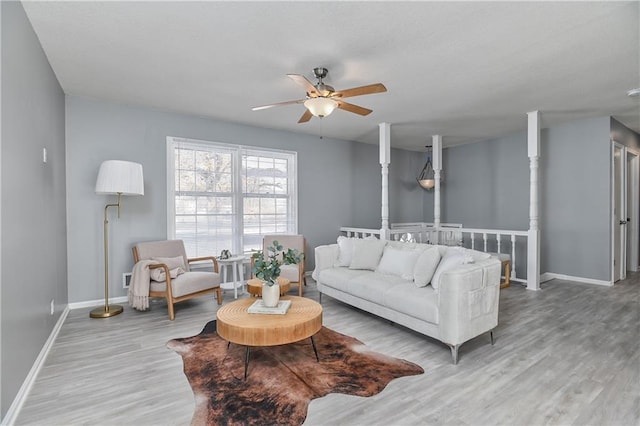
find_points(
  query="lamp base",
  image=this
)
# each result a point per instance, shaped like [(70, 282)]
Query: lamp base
[(106, 311)]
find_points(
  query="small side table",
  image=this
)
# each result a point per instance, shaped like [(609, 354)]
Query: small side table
[(236, 264), (254, 286)]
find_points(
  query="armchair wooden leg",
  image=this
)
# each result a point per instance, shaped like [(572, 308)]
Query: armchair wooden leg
[(172, 314), (219, 295)]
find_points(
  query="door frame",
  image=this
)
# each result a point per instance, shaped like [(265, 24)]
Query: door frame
[(623, 243), (633, 204)]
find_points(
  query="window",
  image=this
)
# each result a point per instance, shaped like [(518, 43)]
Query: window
[(223, 196)]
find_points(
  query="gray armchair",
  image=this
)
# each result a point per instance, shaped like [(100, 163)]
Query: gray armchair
[(185, 286), (294, 273)]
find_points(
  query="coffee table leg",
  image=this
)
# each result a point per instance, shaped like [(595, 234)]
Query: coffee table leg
[(246, 361), (315, 351)]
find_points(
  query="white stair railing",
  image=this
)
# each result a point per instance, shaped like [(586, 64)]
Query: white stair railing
[(453, 234)]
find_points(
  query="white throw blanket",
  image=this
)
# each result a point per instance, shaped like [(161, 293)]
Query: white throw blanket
[(139, 285)]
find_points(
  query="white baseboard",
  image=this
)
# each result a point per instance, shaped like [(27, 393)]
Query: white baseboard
[(18, 402), (547, 276), (97, 302)]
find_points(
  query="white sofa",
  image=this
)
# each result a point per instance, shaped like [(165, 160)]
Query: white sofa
[(385, 282)]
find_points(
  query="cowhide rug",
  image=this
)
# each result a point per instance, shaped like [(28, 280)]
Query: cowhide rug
[(282, 380)]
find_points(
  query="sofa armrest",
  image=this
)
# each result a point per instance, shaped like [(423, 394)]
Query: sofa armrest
[(468, 301), (326, 257)]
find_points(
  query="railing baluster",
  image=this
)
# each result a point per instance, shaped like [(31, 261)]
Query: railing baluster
[(473, 241), (499, 237), (484, 238), (513, 256)]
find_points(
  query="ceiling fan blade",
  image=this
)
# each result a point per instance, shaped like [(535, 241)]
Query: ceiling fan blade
[(362, 90), (305, 117), (258, 108), (353, 108), (304, 82)]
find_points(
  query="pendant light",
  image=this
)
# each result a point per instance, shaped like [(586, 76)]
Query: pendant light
[(426, 179)]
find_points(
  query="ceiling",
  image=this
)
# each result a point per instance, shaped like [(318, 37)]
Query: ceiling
[(466, 70)]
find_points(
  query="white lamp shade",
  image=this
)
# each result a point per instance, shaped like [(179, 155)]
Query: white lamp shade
[(320, 107), (120, 177)]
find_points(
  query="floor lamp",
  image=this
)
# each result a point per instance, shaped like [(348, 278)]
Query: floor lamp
[(120, 178)]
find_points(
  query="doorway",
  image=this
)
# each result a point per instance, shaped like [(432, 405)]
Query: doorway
[(633, 205), (619, 212), (625, 206)]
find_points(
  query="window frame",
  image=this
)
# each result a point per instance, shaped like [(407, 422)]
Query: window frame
[(238, 152)]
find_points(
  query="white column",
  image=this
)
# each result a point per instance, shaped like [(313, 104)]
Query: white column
[(437, 168), (533, 239), (385, 159)]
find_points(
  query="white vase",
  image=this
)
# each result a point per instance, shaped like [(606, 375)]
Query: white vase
[(270, 295)]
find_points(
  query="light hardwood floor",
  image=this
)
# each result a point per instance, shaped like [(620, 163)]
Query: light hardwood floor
[(566, 355)]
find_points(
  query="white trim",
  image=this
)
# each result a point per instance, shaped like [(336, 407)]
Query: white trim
[(237, 195), (623, 245), (18, 402), (548, 276), (97, 302), (171, 201), (633, 170), (1, 221)]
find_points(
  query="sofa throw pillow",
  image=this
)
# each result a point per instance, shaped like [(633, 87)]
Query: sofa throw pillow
[(345, 251), (398, 262), (426, 266), (450, 261), (159, 275), (367, 253)]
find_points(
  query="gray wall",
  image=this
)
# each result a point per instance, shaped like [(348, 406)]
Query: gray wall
[(338, 183), (622, 134), (33, 238), (405, 197), (575, 199), (487, 186)]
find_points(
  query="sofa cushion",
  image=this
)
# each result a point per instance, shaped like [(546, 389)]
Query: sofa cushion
[(426, 266), (338, 277), (373, 286), (345, 251), (418, 302), (451, 260), (398, 262), (367, 253)]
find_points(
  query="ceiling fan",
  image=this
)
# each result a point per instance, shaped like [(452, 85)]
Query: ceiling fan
[(322, 99)]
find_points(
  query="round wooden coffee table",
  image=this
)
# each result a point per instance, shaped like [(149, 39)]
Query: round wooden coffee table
[(254, 286), (236, 325)]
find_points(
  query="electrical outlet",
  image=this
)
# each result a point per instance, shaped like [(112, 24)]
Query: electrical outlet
[(53, 306)]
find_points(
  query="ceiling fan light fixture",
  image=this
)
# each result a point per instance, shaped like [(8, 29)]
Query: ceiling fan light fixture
[(320, 106)]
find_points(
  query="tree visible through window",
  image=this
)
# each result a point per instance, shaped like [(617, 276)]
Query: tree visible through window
[(228, 196)]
